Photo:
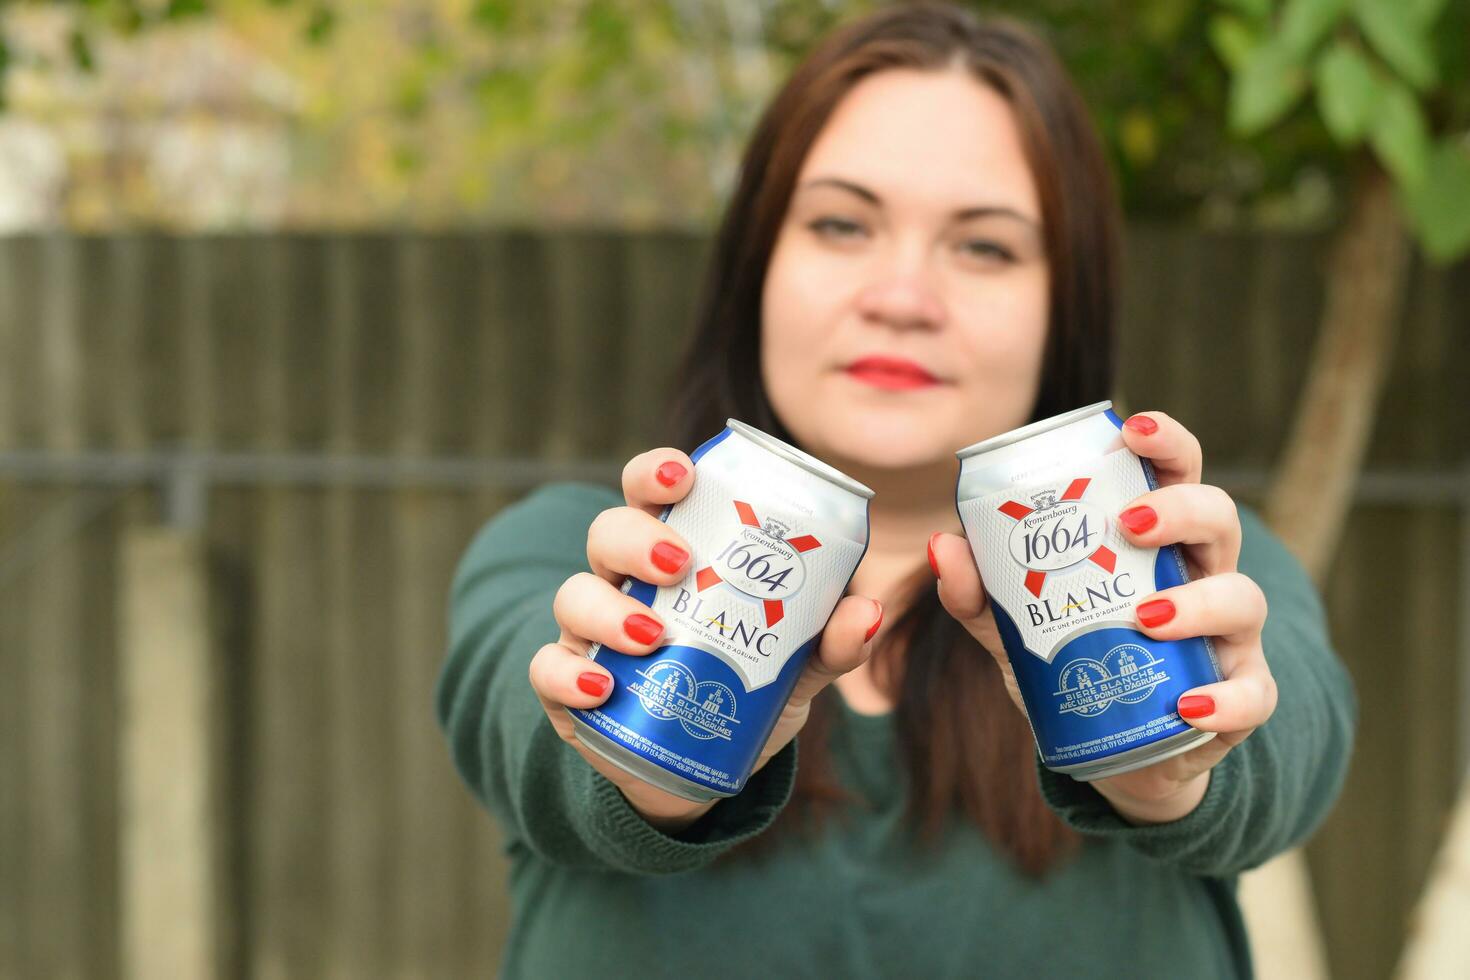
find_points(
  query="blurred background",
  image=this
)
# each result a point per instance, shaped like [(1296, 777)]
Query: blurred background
[(295, 295)]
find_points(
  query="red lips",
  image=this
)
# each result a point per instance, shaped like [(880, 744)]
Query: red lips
[(893, 373)]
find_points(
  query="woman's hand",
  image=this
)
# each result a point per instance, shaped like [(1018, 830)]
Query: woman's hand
[(1218, 602), (590, 608)]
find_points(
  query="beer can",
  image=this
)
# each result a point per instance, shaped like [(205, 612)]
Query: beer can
[(1039, 507), (776, 536)]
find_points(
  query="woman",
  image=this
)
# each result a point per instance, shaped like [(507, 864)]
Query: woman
[(920, 254)]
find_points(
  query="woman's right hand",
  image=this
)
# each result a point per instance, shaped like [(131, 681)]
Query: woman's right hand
[(590, 608)]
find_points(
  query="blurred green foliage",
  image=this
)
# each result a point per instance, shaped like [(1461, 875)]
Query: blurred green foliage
[(1388, 75), (635, 110)]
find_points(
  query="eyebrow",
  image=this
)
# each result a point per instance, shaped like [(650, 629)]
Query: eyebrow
[(963, 214)]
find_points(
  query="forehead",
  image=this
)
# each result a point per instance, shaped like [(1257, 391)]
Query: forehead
[(928, 138)]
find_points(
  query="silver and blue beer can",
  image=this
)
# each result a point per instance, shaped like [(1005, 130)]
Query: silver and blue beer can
[(775, 537), (1039, 506)]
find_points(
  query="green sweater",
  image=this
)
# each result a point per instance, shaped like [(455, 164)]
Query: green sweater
[(599, 892)]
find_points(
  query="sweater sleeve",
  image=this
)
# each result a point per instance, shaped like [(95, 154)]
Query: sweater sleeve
[(1272, 790), (542, 791)]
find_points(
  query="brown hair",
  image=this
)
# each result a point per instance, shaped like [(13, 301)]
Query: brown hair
[(966, 747)]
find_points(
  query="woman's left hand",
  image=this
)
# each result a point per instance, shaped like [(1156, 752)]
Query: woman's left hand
[(1218, 602)]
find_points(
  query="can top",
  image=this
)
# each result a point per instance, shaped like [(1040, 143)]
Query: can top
[(1035, 428), (804, 460)]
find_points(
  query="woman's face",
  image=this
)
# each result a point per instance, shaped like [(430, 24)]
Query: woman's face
[(905, 307)]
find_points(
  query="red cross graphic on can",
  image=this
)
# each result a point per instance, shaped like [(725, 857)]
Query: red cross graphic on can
[(774, 609), (1103, 557)]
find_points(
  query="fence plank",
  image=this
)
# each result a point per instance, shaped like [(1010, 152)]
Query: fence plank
[(109, 407), (235, 577), (360, 865), (57, 896), (661, 269), (169, 888), (518, 411), (13, 336), (586, 280), (293, 848), (28, 426), (14, 653), (199, 263), (426, 853), (17, 926)]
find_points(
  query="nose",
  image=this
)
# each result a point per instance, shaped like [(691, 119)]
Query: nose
[(902, 294)]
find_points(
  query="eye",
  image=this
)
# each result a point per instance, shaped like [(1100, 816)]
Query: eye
[(840, 229), (982, 248)]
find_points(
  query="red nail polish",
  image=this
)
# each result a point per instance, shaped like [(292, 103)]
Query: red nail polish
[(1196, 706), (593, 683), (669, 557), (1143, 425), (874, 628), (933, 562), (644, 629), (1139, 519), (670, 473), (1156, 612)]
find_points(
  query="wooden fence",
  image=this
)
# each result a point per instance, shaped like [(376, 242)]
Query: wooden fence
[(346, 846)]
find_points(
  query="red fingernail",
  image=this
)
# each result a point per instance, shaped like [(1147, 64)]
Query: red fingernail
[(669, 557), (593, 683), (1156, 612), (644, 629), (934, 562), (874, 628), (670, 473), (1142, 424), (1139, 519), (1196, 706)]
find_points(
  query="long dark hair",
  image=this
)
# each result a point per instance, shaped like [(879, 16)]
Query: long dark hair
[(966, 747)]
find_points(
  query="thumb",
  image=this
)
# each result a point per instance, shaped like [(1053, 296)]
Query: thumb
[(844, 646), (960, 590)]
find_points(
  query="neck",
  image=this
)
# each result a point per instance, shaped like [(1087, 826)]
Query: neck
[(908, 506)]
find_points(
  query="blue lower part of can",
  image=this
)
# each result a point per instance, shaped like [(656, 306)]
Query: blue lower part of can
[(686, 711), (1111, 690)]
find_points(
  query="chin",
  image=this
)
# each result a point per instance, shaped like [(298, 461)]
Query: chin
[(878, 439)]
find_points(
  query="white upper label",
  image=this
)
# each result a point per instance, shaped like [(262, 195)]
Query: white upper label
[(759, 585), (1051, 554)]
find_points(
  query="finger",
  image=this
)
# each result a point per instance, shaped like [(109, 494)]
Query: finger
[(625, 541), (1236, 705), (1231, 607), (960, 590), (561, 677), (659, 477), (1201, 517), (963, 594), (589, 608), (1172, 448), (844, 646)]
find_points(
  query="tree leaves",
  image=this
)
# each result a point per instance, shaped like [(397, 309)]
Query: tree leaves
[(1268, 83), (1257, 9), (180, 9), (323, 21), (81, 51), (1232, 39), (1347, 92), (1439, 205), (1304, 22), (1400, 135), (1371, 86), (1398, 39)]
